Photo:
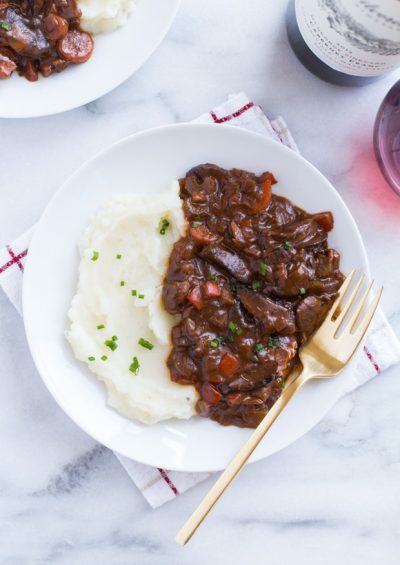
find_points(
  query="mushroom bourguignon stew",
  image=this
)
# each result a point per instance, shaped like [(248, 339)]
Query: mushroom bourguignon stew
[(41, 36), (251, 280)]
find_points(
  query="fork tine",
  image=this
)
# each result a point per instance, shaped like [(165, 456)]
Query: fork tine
[(341, 292), (349, 302), (356, 314), (362, 328)]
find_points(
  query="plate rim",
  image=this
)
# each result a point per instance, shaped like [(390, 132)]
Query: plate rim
[(106, 89), (60, 191)]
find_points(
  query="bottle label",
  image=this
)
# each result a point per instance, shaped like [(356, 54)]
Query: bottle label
[(356, 37)]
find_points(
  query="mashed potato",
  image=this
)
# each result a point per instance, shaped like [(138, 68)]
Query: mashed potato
[(104, 16), (122, 251)]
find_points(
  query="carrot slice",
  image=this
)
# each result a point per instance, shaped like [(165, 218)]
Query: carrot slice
[(210, 394), (196, 298), (229, 364), (201, 234), (211, 289), (265, 195), (325, 220)]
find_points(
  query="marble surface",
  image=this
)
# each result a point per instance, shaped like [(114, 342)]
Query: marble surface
[(332, 497)]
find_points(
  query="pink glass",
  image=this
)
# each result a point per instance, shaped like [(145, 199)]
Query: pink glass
[(387, 137)]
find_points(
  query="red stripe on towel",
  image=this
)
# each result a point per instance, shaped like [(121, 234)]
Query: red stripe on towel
[(231, 116), (370, 357), (166, 478), (15, 260)]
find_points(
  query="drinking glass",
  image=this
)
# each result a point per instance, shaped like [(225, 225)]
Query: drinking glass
[(387, 137)]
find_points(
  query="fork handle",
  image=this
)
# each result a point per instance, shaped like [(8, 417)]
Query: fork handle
[(234, 467)]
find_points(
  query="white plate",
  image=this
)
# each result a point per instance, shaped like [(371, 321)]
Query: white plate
[(148, 162), (116, 57)]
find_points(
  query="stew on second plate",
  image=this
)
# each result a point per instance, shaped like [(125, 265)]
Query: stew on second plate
[(251, 280), (41, 36)]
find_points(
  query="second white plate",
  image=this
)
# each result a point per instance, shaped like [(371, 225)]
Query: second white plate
[(116, 57)]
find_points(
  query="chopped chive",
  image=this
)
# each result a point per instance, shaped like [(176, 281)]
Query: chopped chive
[(91, 358), (134, 292), (302, 290), (164, 226), (234, 288), (195, 224), (5, 26), (104, 357), (235, 328), (100, 327), (256, 285), (134, 366), (273, 342), (119, 256), (214, 343), (211, 277), (122, 283), (95, 255), (258, 347), (282, 384), (287, 245), (114, 338), (146, 344), (263, 268), (197, 217), (140, 295), (111, 344)]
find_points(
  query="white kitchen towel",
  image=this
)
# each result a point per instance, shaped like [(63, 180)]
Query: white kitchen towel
[(381, 350)]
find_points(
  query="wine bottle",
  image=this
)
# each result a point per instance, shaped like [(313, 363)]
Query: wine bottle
[(347, 42)]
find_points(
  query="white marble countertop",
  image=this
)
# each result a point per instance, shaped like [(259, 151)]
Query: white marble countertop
[(332, 497)]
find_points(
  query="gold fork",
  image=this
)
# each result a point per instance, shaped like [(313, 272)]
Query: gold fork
[(323, 356)]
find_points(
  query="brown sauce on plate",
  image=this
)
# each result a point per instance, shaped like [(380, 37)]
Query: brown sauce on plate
[(251, 280)]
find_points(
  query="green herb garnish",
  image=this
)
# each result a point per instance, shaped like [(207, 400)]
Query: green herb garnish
[(302, 290), (119, 256), (197, 217), (256, 285), (195, 224), (134, 366), (114, 338), (263, 268), (235, 328), (134, 292), (273, 342), (100, 327), (211, 277), (282, 385), (95, 255), (146, 344), (140, 295), (287, 245), (5, 26), (258, 347), (91, 358), (214, 343), (122, 283), (164, 226), (104, 358), (111, 344)]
